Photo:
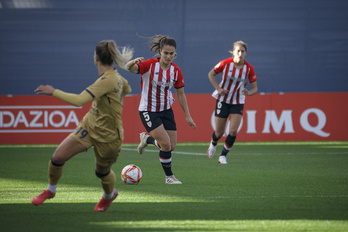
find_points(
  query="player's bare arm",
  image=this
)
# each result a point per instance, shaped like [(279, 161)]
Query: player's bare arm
[(183, 103), (252, 91), (130, 66), (212, 77)]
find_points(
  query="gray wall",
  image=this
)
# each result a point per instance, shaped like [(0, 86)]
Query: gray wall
[(294, 46)]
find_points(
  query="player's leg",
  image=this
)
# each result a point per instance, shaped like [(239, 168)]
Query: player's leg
[(67, 149), (170, 126), (221, 115), (150, 121), (173, 140), (220, 124), (146, 139), (165, 154), (106, 154), (235, 120)]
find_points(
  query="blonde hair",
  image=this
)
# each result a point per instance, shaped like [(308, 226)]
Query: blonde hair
[(108, 52), (239, 43)]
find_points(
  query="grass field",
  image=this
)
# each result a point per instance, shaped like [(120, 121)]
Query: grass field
[(264, 187)]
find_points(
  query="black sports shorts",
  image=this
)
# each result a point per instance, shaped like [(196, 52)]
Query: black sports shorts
[(152, 120), (222, 109)]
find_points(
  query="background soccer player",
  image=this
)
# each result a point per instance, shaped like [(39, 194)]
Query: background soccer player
[(230, 96), (100, 127), (158, 76)]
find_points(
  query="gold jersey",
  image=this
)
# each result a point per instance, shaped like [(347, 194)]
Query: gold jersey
[(104, 118), (103, 121)]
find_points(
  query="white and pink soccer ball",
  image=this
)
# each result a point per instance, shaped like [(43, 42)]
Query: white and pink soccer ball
[(131, 174)]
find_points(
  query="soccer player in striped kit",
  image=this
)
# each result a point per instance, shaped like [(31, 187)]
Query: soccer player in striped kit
[(230, 96), (158, 76), (101, 127)]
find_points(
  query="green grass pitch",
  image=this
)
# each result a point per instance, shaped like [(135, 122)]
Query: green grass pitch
[(298, 186)]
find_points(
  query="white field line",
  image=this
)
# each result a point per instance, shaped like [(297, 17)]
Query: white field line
[(284, 153)]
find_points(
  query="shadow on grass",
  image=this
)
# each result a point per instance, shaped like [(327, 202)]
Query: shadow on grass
[(127, 216)]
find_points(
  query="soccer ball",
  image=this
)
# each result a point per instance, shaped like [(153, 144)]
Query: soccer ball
[(131, 174)]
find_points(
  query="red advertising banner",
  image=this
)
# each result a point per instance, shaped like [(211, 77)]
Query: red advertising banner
[(267, 117), (37, 119), (274, 117)]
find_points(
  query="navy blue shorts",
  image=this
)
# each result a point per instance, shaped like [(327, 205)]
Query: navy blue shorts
[(222, 109), (152, 120)]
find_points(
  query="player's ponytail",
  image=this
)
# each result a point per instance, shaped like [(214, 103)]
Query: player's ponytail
[(158, 41), (108, 52)]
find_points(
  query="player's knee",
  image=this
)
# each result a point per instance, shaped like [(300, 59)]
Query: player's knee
[(219, 134), (57, 161), (233, 133), (166, 147)]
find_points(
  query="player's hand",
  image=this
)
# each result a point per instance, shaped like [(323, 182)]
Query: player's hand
[(222, 92), (45, 89), (190, 121), (138, 60), (245, 92)]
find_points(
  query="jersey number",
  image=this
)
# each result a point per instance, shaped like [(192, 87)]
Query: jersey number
[(146, 116), (84, 133)]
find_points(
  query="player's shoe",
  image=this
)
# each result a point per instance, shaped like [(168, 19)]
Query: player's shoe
[(103, 204), (172, 180), (142, 145), (39, 199), (211, 150), (222, 159)]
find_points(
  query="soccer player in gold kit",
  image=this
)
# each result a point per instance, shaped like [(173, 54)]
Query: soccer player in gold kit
[(101, 127)]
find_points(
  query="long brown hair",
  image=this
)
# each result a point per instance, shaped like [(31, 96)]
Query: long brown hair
[(158, 41)]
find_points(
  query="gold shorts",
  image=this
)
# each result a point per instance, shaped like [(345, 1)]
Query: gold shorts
[(105, 153)]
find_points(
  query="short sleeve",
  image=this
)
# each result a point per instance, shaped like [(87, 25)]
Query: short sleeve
[(101, 86), (145, 66), (219, 67), (252, 75), (180, 79)]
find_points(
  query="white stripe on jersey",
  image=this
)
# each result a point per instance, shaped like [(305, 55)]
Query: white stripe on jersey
[(234, 84), (145, 89), (161, 97)]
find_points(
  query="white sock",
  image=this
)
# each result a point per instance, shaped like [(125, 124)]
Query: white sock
[(52, 188), (108, 196)]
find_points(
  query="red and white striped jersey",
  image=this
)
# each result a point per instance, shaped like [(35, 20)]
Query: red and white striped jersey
[(234, 80), (156, 85)]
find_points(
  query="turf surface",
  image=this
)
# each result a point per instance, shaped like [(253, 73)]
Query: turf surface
[(264, 187)]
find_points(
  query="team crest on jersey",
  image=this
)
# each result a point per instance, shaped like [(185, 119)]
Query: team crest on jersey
[(149, 124), (218, 111)]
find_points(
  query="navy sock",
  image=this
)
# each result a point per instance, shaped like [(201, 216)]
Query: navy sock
[(166, 161), (151, 140), (214, 139), (228, 144)]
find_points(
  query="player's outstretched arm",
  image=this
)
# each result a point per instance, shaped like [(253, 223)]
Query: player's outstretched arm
[(73, 99), (130, 66)]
